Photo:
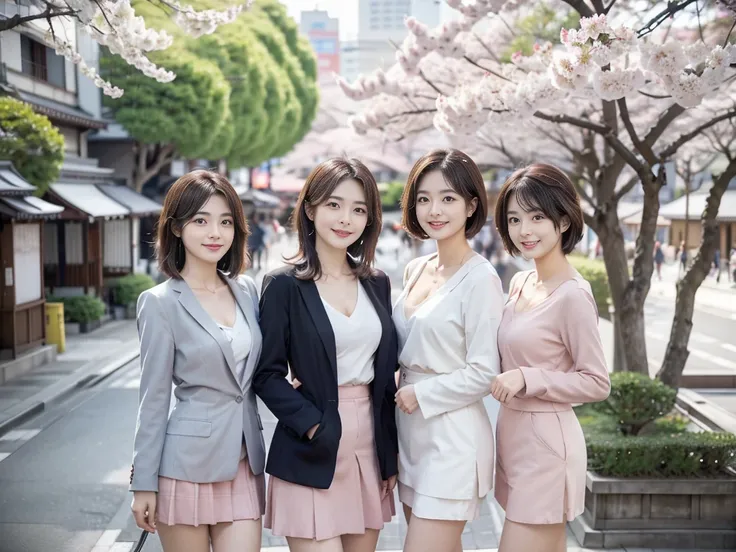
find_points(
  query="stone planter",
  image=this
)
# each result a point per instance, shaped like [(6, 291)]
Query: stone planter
[(658, 513), (86, 327), (118, 312), (130, 312)]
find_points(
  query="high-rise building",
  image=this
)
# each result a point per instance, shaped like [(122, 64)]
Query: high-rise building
[(323, 32)]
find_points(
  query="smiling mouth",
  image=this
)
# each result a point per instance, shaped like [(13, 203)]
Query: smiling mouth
[(213, 247), (342, 233), (529, 244), (437, 225)]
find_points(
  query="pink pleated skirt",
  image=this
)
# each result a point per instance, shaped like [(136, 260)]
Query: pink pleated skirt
[(541, 462), (186, 503), (355, 500)]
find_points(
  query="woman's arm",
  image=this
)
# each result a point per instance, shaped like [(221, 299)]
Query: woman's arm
[(269, 381), (588, 381), (482, 310), (157, 369)]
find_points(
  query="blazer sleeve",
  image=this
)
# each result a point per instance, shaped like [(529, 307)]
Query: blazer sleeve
[(289, 406), (482, 310), (588, 381), (157, 370)]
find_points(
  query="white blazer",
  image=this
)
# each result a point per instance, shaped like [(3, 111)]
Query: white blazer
[(449, 352)]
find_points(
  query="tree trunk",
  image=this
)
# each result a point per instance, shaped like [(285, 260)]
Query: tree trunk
[(149, 160), (677, 352), (629, 315)]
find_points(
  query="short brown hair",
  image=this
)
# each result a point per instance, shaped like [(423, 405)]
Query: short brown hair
[(545, 188), (320, 185), (461, 174), (183, 200)]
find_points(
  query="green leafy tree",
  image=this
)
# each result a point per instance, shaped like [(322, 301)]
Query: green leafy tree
[(31, 142), (181, 118)]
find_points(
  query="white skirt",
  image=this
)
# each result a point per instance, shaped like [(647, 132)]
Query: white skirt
[(430, 507)]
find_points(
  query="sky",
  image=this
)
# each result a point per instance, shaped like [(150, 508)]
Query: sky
[(344, 10)]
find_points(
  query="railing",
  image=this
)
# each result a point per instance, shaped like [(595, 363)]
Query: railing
[(36, 70), (3, 73)]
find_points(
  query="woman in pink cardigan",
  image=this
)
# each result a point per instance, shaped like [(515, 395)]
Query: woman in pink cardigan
[(551, 358)]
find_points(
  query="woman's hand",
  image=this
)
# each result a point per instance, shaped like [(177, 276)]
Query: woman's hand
[(388, 485), (406, 399), (144, 510), (312, 430), (507, 385)]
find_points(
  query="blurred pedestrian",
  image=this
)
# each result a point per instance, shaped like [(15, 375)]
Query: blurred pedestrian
[(197, 474), (257, 242), (682, 253), (541, 461), (658, 259), (446, 318), (717, 264), (326, 316)]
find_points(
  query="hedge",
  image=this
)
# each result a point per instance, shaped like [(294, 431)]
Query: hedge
[(80, 308), (594, 271), (126, 290)]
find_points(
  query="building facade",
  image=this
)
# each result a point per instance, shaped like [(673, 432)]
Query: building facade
[(323, 32)]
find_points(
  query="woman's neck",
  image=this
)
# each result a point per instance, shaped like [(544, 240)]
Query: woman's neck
[(332, 261), (552, 266), (451, 251), (200, 274)]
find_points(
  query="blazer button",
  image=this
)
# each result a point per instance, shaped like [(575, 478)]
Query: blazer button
[(239, 399)]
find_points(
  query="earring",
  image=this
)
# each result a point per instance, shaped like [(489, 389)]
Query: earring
[(312, 232)]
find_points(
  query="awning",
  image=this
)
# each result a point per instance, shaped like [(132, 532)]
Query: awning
[(11, 182), (29, 207), (260, 198), (61, 111), (89, 200), (138, 204)]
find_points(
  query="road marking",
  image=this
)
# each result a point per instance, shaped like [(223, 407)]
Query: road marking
[(20, 435), (4, 455), (702, 338), (122, 547), (656, 335), (729, 347), (714, 359)]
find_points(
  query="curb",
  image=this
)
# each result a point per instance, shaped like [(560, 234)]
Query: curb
[(87, 375)]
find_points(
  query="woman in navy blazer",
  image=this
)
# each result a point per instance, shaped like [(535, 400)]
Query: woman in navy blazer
[(327, 318)]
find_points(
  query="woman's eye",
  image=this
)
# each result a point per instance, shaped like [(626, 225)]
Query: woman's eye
[(360, 210), (200, 221), (227, 222), (332, 204), (448, 199), (513, 220), (538, 217), (422, 200)]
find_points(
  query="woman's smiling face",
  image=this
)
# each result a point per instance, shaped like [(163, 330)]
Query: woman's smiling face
[(532, 232), (440, 210)]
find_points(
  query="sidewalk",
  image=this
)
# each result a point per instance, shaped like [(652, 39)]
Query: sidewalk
[(711, 294), (87, 357)]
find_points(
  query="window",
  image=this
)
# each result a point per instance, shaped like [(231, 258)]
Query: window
[(41, 62)]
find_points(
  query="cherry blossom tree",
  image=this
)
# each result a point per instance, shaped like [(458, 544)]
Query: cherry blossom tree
[(612, 100), (115, 24)]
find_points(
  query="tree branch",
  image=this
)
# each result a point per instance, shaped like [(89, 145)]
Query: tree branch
[(581, 7), (725, 42), (626, 188), (641, 146), (671, 9), (685, 138), (51, 11), (575, 121), (491, 71)]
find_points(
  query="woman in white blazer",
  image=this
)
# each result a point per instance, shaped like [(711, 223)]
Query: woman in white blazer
[(447, 318), (197, 474)]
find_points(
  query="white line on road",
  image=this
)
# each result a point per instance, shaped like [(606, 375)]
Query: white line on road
[(122, 547), (108, 538), (20, 435), (4, 455), (702, 338), (729, 347), (714, 359)]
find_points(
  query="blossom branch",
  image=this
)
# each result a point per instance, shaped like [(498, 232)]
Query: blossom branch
[(50, 11), (642, 146), (685, 138), (671, 9)]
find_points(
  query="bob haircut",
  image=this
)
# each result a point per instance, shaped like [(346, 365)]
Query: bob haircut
[(320, 185), (183, 200), (545, 188), (461, 174)]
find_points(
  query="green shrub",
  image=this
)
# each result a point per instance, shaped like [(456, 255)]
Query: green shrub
[(675, 455), (126, 290), (636, 400), (669, 451), (594, 271), (80, 308)]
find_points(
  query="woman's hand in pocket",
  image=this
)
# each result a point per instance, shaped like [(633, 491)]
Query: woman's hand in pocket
[(312, 430)]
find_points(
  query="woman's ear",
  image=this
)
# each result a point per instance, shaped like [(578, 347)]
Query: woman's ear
[(564, 224), (472, 206), (309, 211)]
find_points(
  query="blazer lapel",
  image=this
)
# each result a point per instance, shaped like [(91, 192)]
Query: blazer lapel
[(246, 304), (195, 309), (317, 312)]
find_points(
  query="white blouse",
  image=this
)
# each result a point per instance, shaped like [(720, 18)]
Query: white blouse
[(356, 339), (449, 353), (240, 340)]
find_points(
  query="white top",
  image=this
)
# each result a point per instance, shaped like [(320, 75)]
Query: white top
[(239, 338), (448, 351), (356, 339)]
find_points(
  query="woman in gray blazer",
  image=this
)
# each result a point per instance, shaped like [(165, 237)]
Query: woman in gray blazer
[(198, 472)]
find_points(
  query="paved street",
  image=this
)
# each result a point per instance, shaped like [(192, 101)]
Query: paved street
[(64, 473)]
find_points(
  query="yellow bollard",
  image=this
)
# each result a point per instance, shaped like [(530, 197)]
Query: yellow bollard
[(55, 332)]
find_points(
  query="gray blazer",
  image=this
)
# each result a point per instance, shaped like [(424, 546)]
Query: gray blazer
[(202, 438)]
